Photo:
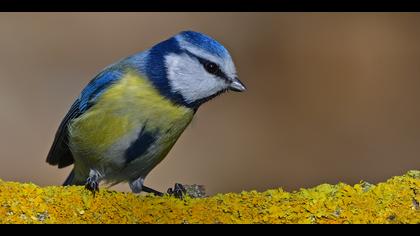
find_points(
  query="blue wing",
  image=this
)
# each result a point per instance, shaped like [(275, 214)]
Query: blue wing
[(60, 153), (97, 86)]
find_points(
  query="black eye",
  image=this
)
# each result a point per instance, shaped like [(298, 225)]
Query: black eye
[(211, 67)]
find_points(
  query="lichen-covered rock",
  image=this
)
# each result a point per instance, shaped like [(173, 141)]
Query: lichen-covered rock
[(395, 201)]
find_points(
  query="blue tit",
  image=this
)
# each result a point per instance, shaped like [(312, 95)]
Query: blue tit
[(127, 118)]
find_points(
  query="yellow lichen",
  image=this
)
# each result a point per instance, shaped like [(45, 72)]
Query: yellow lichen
[(395, 201)]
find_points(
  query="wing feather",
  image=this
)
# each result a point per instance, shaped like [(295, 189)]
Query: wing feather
[(60, 153)]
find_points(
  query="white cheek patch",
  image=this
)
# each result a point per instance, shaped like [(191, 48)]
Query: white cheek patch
[(188, 77)]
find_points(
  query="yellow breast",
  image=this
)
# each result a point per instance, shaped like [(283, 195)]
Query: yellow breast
[(130, 102)]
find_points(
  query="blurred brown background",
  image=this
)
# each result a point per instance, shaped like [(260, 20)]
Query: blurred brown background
[(331, 96)]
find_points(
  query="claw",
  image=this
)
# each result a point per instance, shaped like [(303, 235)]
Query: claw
[(92, 182), (179, 191), (92, 185)]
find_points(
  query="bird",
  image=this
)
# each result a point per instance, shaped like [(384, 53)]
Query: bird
[(129, 116)]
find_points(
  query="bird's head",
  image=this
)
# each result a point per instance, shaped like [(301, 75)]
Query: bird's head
[(191, 68)]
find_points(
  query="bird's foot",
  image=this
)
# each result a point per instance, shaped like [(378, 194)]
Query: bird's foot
[(178, 191), (92, 182), (92, 185)]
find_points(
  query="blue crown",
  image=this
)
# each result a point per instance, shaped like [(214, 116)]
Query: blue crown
[(205, 42)]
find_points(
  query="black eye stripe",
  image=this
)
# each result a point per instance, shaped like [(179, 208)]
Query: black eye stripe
[(217, 71)]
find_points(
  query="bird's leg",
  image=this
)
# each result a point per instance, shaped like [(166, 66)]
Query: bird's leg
[(150, 190), (92, 182), (179, 191), (138, 185)]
